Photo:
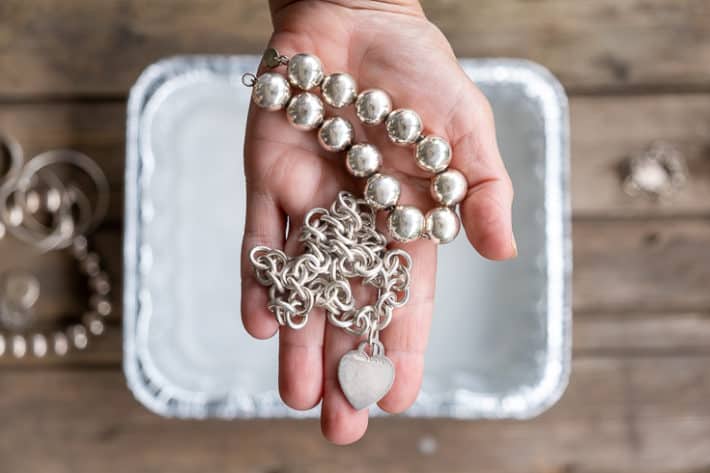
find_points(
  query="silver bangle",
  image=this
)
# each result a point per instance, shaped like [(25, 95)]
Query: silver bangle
[(60, 236), (12, 151)]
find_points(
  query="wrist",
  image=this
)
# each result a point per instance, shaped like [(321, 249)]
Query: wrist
[(401, 6)]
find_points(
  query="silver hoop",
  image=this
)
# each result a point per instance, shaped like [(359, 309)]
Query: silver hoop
[(13, 150), (27, 228), (79, 161), (59, 236)]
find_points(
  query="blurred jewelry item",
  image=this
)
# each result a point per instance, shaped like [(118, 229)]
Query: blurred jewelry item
[(38, 186), (657, 172), (10, 161), (19, 291), (342, 243), (50, 211)]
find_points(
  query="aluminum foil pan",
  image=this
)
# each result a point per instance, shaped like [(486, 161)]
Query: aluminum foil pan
[(500, 340)]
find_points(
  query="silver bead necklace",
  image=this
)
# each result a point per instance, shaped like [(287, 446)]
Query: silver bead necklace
[(342, 242)]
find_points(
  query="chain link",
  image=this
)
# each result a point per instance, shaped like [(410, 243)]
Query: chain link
[(340, 244)]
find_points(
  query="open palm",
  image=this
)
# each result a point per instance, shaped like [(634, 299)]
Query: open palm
[(393, 47)]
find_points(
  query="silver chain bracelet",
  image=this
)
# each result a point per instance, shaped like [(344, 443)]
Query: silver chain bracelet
[(340, 244)]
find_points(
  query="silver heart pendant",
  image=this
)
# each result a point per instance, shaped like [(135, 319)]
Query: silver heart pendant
[(365, 379)]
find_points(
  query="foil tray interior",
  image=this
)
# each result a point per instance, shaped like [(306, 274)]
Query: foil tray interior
[(500, 340)]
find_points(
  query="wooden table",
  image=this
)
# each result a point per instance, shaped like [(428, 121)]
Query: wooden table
[(639, 397)]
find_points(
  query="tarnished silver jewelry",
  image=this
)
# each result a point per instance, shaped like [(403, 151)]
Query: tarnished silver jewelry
[(73, 213), (19, 292), (304, 71), (372, 106), (67, 210), (305, 111), (10, 161), (657, 172), (339, 89), (342, 243), (449, 187)]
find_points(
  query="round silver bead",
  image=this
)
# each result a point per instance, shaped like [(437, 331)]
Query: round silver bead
[(442, 224), (449, 187), (78, 336), (91, 264), (19, 346), (433, 154), (305, 111), (372, 106), (93, 322), (100, 283), (60, 343), (382, 191), (339, 89), (403, 126), (305, 71), (39, 345), (405, 223), (271, 91), (363, 160), (335, 134)]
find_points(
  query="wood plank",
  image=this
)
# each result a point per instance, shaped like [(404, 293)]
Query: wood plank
[(641, 266), (648, 267), (605, 132), (641, 334), (113, 41), (618, 415), (615, 44), (591, 46)]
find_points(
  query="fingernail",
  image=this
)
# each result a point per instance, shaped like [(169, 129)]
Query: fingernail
[(515, 246)]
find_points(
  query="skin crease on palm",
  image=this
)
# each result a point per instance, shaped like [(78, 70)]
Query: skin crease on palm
[(392, 46)]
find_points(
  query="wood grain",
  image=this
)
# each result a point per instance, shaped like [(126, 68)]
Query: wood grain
[(631, 265), (605, 45), (600, 46), (118, 39), (605, 132), (651, 267), (81, 421), (641, 334)]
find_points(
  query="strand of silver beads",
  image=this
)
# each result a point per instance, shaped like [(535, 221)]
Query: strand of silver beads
[(306, 111), (59, 342)]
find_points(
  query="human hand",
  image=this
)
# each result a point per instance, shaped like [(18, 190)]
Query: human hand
[(391, 46)]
